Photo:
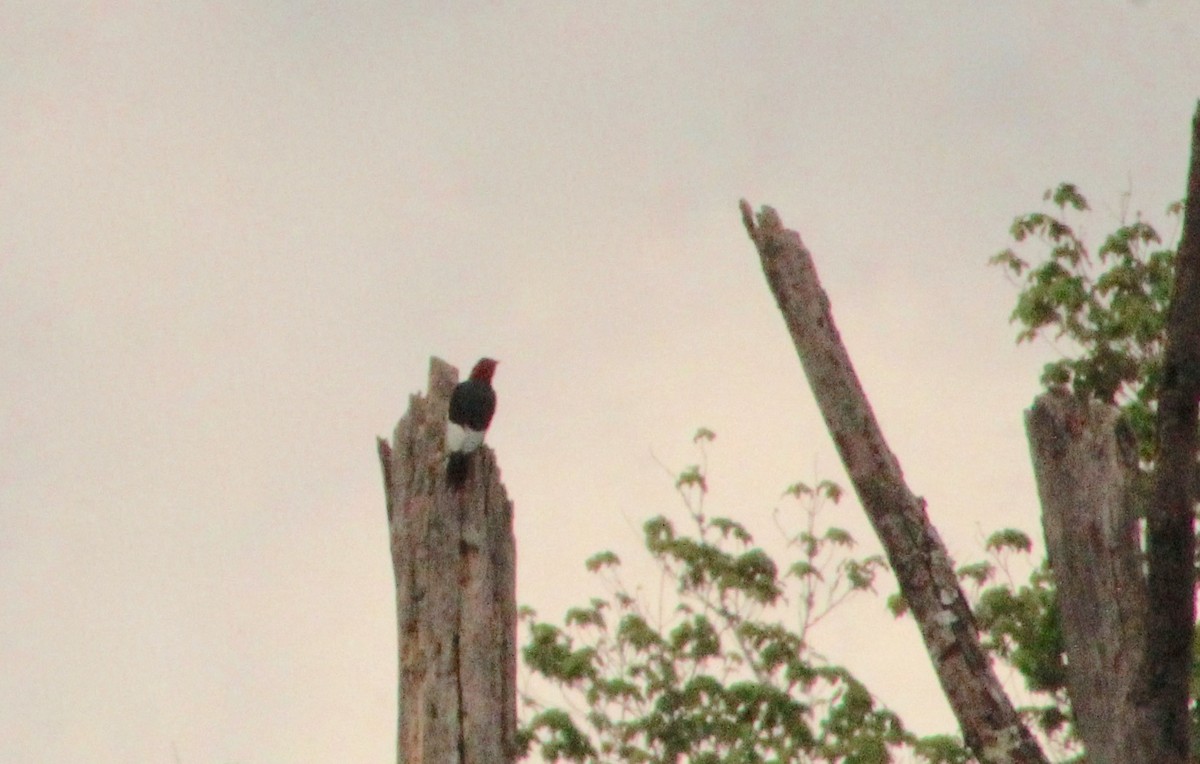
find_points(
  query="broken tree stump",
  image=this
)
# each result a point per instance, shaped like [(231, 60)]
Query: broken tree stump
[(454, 558), (1086, 465)]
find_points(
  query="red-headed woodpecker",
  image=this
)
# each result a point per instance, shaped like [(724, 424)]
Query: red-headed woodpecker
[(472, 405)]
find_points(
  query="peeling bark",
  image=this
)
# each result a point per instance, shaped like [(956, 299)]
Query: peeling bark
[(989, 723), (454, 558), (1085, 462)]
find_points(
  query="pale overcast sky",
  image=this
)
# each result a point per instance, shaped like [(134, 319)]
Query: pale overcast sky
[(232, 234)]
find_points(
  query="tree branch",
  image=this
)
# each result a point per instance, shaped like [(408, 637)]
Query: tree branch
[(1170, 539), (990, 724)]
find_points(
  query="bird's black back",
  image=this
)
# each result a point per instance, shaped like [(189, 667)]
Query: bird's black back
[(472, 404)]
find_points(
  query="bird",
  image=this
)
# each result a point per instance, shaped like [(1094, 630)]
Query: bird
[(472, 405)]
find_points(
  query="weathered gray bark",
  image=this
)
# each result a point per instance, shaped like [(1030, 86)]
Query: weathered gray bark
[(989, 723), (454, 556), (1170, 519), (1085, 462)]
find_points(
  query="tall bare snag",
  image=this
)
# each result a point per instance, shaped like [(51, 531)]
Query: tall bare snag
[(454, 557)]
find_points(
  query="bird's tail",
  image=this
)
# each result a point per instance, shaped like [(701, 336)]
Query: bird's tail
[(456, 469)]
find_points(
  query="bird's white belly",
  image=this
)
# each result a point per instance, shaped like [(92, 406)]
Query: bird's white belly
[(462, 439)]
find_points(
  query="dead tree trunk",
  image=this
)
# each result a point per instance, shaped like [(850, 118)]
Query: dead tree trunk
[(1170, 520), (454, 556), (989, 723), (1085, 461)]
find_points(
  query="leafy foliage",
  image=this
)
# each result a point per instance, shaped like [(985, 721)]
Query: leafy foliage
[(1110, 306), (714, 675)]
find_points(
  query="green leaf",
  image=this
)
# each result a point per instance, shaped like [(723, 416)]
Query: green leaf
[(839, 537), (600, 560), (832, 490), (755, 573), (802, 569), (798, 490), (1009, 260), (978, 572), (564, 740), (861, 574), (732, 528), (1009, 538), (1066, 194), (636, 632), (692, 476), (589, 616)]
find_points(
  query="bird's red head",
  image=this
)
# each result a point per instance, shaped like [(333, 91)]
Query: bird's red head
[(484, 370)]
